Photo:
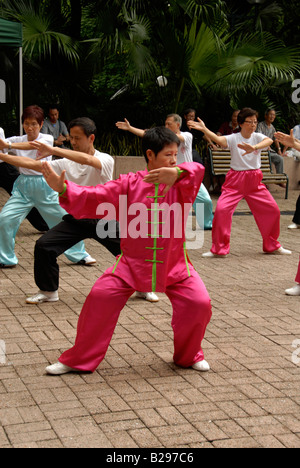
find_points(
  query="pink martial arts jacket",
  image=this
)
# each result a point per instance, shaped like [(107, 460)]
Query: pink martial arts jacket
[(152, 224)]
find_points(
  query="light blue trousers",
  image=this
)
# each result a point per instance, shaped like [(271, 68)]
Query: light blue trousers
[(204, 209), (29, 192)]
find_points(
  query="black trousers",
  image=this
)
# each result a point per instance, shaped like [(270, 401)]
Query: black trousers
[(64, 236), (296, 219), (8, 176)]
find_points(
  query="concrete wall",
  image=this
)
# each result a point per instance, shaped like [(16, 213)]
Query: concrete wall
[(125, 164), (292, 169)]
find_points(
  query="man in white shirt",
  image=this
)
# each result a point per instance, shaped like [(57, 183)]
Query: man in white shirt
[(84, 166), (173, 122), (185, 150), (185, 154), (91, 168)]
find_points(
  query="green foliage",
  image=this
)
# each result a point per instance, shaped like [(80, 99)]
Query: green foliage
[(40, 39), (116, 144), (101, 58)]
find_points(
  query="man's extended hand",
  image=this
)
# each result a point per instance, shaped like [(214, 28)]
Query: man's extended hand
[(287, 140), (43, 150), (200, 125), (164, 175), (56, 182), (123, 125)]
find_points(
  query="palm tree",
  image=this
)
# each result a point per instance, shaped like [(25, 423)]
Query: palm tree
[(253, 63), (206, 57), (119, 30), (67, 44), (41, 37), (51, 56)]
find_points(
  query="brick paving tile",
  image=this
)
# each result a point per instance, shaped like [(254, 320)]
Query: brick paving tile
[(138, 398)]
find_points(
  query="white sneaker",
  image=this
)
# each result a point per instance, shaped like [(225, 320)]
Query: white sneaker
[(201, 366), (43, 296), (294, 226), (212, 255), (59, 369), (88, 261), (295, 291), (148, 296), (281, 251)]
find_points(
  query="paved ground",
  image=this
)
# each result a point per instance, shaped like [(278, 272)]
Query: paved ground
[(138, 397)]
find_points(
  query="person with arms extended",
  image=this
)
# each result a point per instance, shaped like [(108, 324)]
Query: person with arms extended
[(244, 181), (291, 141), (8, 176), (30, 190), (148, 260), (174, 122), (84, 166)]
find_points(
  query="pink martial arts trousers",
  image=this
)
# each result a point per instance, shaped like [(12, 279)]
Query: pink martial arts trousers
[(100, 313), (298, 274), (248, 185)]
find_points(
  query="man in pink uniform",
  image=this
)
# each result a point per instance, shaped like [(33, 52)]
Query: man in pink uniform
[(153, 253)]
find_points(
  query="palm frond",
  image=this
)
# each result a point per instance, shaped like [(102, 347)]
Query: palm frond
[(40, 39), (255, 62), (122, 31)]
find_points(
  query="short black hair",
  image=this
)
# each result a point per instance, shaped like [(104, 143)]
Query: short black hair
[(53, 106), (189, 110), (87, 125), (157, 138)]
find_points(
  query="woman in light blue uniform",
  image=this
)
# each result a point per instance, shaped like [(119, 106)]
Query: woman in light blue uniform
[(203, 207), (30, 190)]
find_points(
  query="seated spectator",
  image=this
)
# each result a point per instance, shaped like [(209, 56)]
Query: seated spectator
[(227, 128), (267, 128)]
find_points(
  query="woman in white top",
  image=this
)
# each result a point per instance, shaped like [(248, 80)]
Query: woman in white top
[(244, 180), (30, 190), (8, 176)]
